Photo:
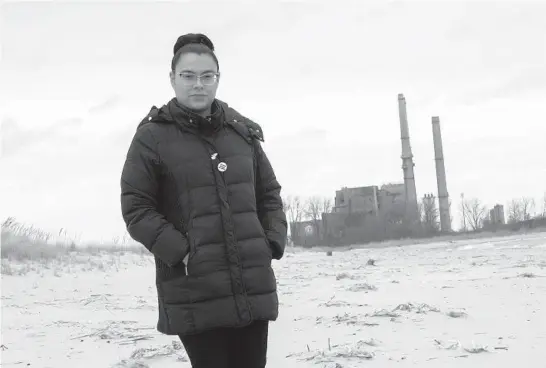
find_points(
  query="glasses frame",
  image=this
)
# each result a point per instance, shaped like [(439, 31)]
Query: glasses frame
[(198, 78)]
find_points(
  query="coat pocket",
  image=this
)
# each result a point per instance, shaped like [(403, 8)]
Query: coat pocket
[(269, 248), (192, 253)]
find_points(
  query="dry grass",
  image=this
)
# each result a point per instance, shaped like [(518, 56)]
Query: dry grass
[(25, 248)]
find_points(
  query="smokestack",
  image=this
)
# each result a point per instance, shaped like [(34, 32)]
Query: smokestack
[(443, 196), (412, 212)]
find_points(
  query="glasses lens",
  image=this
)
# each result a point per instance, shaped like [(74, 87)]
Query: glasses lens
[(188, 78), (208, 79)]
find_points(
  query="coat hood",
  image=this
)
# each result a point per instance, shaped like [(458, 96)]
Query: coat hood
[(163, 115)]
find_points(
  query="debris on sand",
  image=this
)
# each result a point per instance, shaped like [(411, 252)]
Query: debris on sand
[(334, 303), (132, 339), (476, 349), (164, 350), (421, 308), (452, 345), (371, 262), (125, 331), (100, 299), (455, 345), (129, 364), (345, 275), (457, 314), (345, 318), (340, 303), (329, 253), (525, 275), (371, 342), (333, 365), (362, 287), (383, 313), (356, 350), (139, 356), (501, 347)]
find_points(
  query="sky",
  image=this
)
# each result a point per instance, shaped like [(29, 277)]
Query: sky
[(321, 79)]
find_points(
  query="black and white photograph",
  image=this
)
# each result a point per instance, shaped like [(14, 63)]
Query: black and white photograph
[(280, 184)]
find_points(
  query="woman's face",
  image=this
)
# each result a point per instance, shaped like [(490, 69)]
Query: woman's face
[(195, 81)]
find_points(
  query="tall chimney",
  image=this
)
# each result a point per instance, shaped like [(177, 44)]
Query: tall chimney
[(412, 211), (443, 196)]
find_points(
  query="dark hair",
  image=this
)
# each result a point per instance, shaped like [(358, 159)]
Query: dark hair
[(196, 43)]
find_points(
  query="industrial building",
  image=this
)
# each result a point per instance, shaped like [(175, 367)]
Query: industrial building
[(496, 215), (365, 214), (372, 213)]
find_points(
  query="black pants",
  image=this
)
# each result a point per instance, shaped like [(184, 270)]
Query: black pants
[(244, 347)]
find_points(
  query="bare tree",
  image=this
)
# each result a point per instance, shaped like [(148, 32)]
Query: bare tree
[(326, 205), (315, 207), (475, 213), (286, 207), (464, 215), (527, 208), (294, 208), (515, 213), (313, 210), (521, 209), (429, 214)]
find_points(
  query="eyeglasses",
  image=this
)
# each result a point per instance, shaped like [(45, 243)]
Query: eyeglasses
[(207, 79)]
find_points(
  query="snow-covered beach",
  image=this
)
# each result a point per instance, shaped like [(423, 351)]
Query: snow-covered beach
[(475, 302)]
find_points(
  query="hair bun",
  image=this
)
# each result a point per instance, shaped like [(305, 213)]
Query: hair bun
[(190, 38)]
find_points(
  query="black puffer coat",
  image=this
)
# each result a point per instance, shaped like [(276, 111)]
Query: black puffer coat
[(179, 198)]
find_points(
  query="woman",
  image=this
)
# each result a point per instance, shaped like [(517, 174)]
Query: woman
[(199, 192)]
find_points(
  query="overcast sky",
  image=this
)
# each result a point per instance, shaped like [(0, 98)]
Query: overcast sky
[(321, 79)]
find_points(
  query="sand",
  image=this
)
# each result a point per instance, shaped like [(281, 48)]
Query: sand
[(477, 303)]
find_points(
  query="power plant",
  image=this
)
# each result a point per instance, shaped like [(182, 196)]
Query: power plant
[(373, 213)]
